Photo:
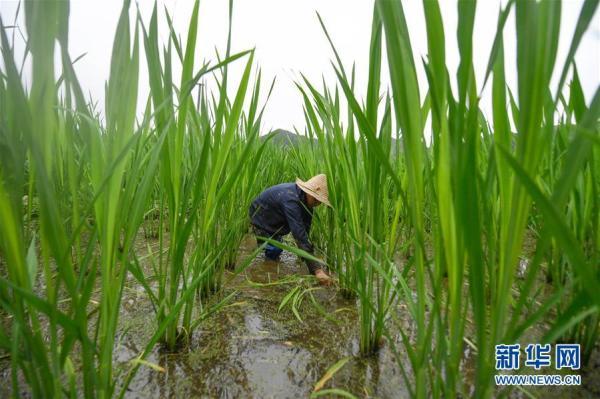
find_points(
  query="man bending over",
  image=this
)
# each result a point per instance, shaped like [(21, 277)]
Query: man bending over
[(288, 207)]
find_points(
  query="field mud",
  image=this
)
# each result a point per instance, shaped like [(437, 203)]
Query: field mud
[(253, 349), (250, 349)]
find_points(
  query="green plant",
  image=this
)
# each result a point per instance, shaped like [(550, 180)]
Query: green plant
[(200, 168), (467, 199), (67, 153)]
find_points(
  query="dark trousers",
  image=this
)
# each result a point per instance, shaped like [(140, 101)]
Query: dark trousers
[(271, 251)]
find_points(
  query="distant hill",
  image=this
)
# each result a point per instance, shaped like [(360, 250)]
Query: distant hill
[(284, 138)]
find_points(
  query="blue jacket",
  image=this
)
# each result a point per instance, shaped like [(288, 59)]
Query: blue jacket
[(281, 209)]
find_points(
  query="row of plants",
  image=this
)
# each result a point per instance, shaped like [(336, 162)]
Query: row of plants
[(443, 228), (77, 183)]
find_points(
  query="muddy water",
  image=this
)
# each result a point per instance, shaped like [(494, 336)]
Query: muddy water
[(250, 349)]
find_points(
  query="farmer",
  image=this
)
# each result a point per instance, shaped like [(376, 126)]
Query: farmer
[(289, 207)]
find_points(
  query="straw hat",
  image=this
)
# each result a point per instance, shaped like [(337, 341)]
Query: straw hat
[(317, 187)]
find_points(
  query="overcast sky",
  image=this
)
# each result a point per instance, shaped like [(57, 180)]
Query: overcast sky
[(289, 40)]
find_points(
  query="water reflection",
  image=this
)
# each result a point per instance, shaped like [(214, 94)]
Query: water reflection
[(253, 350)]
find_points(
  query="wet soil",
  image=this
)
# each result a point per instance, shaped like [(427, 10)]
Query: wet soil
[(251, 349)]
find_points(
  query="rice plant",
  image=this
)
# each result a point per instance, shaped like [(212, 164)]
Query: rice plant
[(470, 173), (66, 153), (467, 199), (56, 147)]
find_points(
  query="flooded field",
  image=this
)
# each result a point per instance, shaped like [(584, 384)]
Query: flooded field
[(440, 160), (251, 349)]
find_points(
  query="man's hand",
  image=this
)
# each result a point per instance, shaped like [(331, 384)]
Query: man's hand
[(324, 278)]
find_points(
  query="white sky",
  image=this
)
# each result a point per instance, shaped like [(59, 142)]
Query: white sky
[(289, 40)]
